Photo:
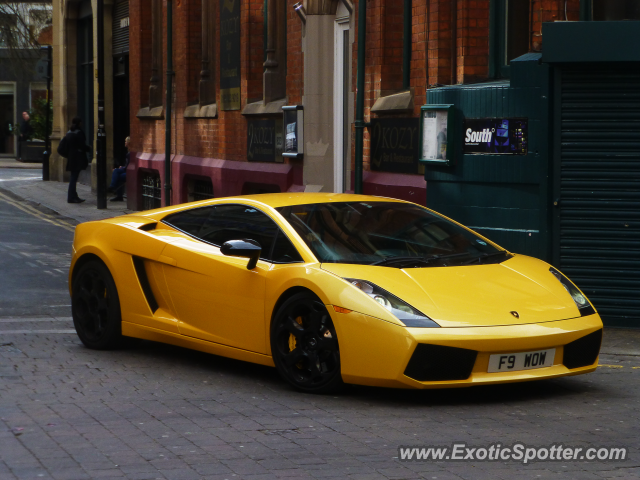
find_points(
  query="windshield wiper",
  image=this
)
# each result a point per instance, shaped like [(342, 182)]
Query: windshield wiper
[(389, 261), (484, 256)]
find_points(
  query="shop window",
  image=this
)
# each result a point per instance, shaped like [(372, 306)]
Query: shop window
[(509, 34), (207, 90), (615, 10)]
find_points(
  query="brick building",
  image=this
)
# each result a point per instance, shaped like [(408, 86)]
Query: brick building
[(539, 150), (310, 62)]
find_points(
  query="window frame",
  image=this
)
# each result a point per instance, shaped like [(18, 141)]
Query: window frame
[(498, 38), (279, 231)]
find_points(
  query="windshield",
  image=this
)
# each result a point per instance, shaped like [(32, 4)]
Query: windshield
[(386, 233)]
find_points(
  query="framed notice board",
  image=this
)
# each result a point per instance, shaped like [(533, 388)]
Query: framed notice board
[(437, 135)]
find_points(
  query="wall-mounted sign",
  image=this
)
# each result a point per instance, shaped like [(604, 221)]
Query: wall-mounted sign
[(230, 55), (394, 145), (293, 129), (501, 136), (264, 140), (436, 134)]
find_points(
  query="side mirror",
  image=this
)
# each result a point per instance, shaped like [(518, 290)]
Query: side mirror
[(243, 248)]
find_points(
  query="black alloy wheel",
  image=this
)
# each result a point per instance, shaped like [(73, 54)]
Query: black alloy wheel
[(95, 307), (304, 345)]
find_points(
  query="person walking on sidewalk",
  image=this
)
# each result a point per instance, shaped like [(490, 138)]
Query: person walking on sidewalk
[(26, 130), (77, 160), (119, 176)]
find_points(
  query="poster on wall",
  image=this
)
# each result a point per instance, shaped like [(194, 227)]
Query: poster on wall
[(395, 145), (501, 136), (434, 135), (230, 55)]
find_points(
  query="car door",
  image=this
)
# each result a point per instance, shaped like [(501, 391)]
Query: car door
[(215, 296)]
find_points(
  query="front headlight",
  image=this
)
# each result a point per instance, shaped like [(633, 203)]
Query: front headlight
[(404, 312), (580, 300)]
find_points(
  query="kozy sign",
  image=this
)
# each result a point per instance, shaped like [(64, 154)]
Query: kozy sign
[(264, 140), (502, 136), (395, 145)]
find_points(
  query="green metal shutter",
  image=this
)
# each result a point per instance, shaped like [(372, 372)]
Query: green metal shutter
[(598, 214), (121, 28)]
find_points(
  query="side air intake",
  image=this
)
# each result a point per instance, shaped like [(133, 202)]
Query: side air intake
[(141, 272)]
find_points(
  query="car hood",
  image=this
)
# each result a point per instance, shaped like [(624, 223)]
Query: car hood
[(474, 295)]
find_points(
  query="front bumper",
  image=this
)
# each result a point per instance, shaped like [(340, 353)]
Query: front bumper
[(377, 353)]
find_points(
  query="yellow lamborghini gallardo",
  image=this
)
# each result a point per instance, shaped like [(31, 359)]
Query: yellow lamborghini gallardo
[(331, 289)]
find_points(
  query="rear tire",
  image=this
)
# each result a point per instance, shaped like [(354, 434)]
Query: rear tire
[(304, 345), (95, 307)]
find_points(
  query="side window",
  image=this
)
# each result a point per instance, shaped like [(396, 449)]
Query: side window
[(284, 251), (221, 223), (190, 221)]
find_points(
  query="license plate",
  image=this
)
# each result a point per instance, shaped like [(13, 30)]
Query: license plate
[(511, 362)]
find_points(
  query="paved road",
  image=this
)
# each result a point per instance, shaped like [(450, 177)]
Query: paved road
[(160, 412)]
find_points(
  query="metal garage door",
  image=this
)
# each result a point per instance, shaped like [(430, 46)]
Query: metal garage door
[(597, 187)]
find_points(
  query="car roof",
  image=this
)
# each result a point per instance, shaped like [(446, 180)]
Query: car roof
[(273, 200)]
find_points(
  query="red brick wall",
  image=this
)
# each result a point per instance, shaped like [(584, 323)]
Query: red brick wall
[(225, 136), (436, 58), (472, 42), (550, 11), (139, 65)]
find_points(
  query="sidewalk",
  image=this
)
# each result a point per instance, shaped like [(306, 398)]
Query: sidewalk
[(53, 195), (13, 163)]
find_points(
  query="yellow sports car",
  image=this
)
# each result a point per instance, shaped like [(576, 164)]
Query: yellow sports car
[(331, 288)]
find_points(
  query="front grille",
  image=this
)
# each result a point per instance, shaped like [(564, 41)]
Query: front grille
[(438, 363), (583, 351)]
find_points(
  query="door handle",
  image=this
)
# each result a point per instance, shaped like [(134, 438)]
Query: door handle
[(556, 202)]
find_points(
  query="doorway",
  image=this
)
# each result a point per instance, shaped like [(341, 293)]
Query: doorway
[(120, 107), (341, 124), (8, 126)]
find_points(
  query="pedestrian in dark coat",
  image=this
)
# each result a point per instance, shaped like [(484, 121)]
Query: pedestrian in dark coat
[(119, 176), (77, 160), (25, 132)]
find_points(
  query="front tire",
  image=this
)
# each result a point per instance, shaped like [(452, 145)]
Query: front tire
[(304, 345), (95, 307)]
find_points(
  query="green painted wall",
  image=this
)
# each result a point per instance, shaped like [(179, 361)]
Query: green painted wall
[(504, 197)]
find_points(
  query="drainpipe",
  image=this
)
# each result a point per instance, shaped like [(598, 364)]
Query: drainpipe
[(359, 121), (167, 117), (406, 46), (586, 11), (101, 140)]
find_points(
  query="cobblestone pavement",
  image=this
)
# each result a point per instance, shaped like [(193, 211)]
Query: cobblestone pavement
[(155, 411), (159, 412)]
